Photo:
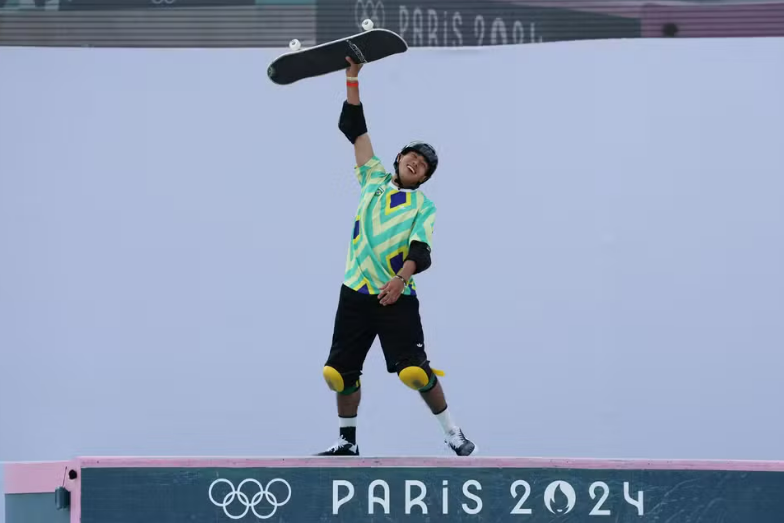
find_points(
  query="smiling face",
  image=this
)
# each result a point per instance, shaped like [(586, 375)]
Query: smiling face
[(412, 169)]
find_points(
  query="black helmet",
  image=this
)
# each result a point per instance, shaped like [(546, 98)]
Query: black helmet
[(425, 150)]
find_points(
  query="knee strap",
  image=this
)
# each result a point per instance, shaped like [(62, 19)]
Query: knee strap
[(336, 382), (418, 378)]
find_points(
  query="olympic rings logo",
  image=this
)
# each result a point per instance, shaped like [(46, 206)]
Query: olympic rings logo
[(373, 9), (252, 503)]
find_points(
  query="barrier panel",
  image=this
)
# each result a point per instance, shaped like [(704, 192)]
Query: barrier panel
[(300, 490)]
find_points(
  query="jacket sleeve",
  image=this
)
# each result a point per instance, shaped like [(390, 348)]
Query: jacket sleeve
[(421, 239)]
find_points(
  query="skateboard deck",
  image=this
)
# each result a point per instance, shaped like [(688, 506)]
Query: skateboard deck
[(330, 57)]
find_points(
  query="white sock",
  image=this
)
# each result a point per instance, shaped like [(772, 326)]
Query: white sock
[(445, 418), (348, 422)]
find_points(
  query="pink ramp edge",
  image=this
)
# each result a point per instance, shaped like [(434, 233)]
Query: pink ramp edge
[(38, 477), (431, 462)]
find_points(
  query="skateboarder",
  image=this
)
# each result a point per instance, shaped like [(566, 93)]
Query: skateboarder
[(391, 241)]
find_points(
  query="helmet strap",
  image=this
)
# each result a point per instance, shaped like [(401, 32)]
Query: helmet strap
[(396, 179)]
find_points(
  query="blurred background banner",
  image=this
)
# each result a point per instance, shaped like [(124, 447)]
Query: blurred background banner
[(445, 23), (106, 5), (713, 19), (436, 23), (157, 23)]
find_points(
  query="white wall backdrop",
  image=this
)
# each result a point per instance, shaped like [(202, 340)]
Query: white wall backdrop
[(608, 274)]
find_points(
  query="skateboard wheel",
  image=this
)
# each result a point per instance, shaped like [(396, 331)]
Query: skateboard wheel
[(295, 45), (367, 24)]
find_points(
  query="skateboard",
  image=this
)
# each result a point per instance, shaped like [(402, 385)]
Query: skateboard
[(365, 47)]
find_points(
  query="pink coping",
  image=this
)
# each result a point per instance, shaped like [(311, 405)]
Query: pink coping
[(45, 477), (32, 477), (431, 462), (36, 476)]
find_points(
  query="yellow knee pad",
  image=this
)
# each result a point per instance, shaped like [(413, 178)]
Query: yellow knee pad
[(336, 382), (416, 378), (333, 378)]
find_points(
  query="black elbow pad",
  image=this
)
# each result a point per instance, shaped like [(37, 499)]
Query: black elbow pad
[(352, 121), (419, 253)]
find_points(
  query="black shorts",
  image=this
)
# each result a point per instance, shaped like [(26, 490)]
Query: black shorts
[(360, 318)]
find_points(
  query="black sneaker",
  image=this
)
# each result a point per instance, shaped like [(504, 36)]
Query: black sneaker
[(343, 447), (461, 445)]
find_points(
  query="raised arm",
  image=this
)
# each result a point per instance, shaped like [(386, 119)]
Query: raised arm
[(352, 117)]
